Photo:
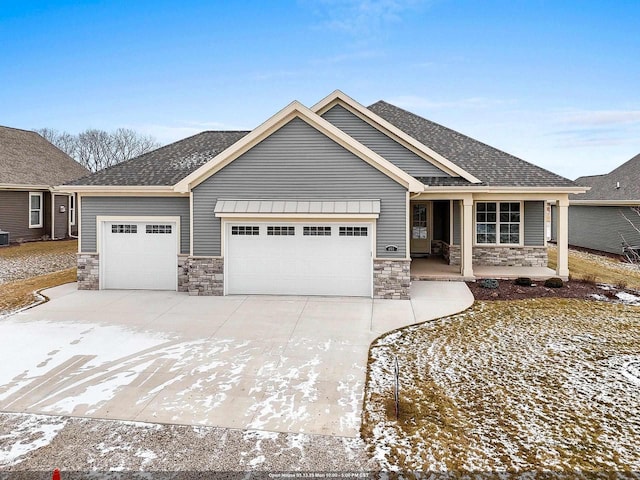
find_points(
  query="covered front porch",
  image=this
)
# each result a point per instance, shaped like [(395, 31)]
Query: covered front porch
[(482, 236), (437, 268)]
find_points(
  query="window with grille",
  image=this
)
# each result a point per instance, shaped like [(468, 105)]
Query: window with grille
[(498, 223), (280, 230), (158, 228), (124, 228), (314, 231), (354, 231), (245, 230)]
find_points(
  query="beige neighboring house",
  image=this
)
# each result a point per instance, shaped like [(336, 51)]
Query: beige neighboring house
[(29, 168)]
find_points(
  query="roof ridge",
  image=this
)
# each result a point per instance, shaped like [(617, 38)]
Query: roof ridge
[(474, 140), (20, 129)]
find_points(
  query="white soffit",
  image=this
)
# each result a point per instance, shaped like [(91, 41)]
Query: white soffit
[(262, 207)]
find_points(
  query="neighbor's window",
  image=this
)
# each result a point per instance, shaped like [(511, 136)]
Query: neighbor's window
[(35, 210), (72, 209), (498, 223)]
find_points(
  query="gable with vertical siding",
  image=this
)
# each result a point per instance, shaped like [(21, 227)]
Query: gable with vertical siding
[(300, 163), (380, 143)]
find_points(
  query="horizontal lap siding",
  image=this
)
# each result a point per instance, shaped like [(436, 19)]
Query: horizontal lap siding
[(91, 207), (534, 229), (61, 218), (14, 215), (602, 228), (380, 143), (297, 162)]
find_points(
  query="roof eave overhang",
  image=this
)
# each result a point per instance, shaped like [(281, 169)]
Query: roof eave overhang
[(18, 186), (296, 110), (113, 189), (506, 189), (612, 203), (339, 97)]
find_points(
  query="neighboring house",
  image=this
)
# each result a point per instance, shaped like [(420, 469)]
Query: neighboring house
[(332, 200), (29, 167), (607, 215)]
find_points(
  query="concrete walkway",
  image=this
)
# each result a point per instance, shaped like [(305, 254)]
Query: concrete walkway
[(281, 364)]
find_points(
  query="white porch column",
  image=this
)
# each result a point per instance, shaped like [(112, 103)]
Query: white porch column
[(467, 237), (562, 269)]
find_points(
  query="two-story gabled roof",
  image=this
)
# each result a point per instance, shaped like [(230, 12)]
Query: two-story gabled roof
[(26, 158)]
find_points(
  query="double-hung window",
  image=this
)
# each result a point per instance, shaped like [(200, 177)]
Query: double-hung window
[(498, 223), (35, 209)]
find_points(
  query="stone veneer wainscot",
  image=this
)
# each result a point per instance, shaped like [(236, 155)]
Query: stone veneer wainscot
[(205, 275), (392, 279), (503, 256), (88, 271)]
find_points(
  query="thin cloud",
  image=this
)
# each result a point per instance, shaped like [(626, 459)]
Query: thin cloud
[(362, 17), (600, 117), (421, 103)]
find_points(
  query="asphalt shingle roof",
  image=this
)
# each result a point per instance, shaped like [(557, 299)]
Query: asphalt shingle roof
[(603, 187), (167, 165), (488, 164), (26, 158)]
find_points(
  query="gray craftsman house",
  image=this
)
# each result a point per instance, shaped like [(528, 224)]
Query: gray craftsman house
[(29, 168), (609, 213), (336, 199)]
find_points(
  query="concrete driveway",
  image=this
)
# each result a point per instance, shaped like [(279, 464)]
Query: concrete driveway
[(283, 364)]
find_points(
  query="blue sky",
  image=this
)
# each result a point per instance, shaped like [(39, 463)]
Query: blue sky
[(554, 82)]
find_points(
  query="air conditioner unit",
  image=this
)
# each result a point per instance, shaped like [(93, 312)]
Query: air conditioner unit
[(4, 238)]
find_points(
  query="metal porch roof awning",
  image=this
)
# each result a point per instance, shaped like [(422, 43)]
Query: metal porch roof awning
[(298, 207)]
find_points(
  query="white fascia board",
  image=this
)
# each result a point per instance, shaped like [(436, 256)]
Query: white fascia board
[(296, 110), (17, 186), (394, 132), (553, 190), (604, 203), (116, 189)]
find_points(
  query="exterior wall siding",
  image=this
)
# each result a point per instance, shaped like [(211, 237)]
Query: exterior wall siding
[(298, 162), (61, 219), (380, 143), (92, 207), (534, 223), (602, 227), (457, 222), (14, 216)]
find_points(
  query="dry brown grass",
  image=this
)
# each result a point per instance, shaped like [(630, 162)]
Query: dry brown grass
[(600, 269), (513, 385), (18, 294), (39, 248)]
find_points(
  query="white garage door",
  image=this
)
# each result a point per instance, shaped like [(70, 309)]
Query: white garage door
[(139, 255), (299, 259)]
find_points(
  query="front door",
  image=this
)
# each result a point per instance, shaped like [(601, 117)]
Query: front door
[(420, 223)]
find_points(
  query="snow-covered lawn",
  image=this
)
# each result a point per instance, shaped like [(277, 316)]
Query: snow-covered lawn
[(510, 386)]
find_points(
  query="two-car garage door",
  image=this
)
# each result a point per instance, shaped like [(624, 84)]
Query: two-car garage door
[(298, 258)]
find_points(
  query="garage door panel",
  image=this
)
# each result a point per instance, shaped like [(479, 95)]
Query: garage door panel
[(298, 264), (139, 258)]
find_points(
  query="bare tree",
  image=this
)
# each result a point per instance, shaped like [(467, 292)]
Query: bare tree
[(98, 149), (631, 252)]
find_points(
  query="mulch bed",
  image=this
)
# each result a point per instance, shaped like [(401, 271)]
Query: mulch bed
[(508, 290)]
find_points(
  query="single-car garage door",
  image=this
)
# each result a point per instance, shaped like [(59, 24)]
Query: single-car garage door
[(139, 255), (299, 258)]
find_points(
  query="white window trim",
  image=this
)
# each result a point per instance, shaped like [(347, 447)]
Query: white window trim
[(40, 210), (72, 209), (498, 244)]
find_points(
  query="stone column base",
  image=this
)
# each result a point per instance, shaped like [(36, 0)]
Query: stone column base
[(88, 271), (392, 279), (205, 275)]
